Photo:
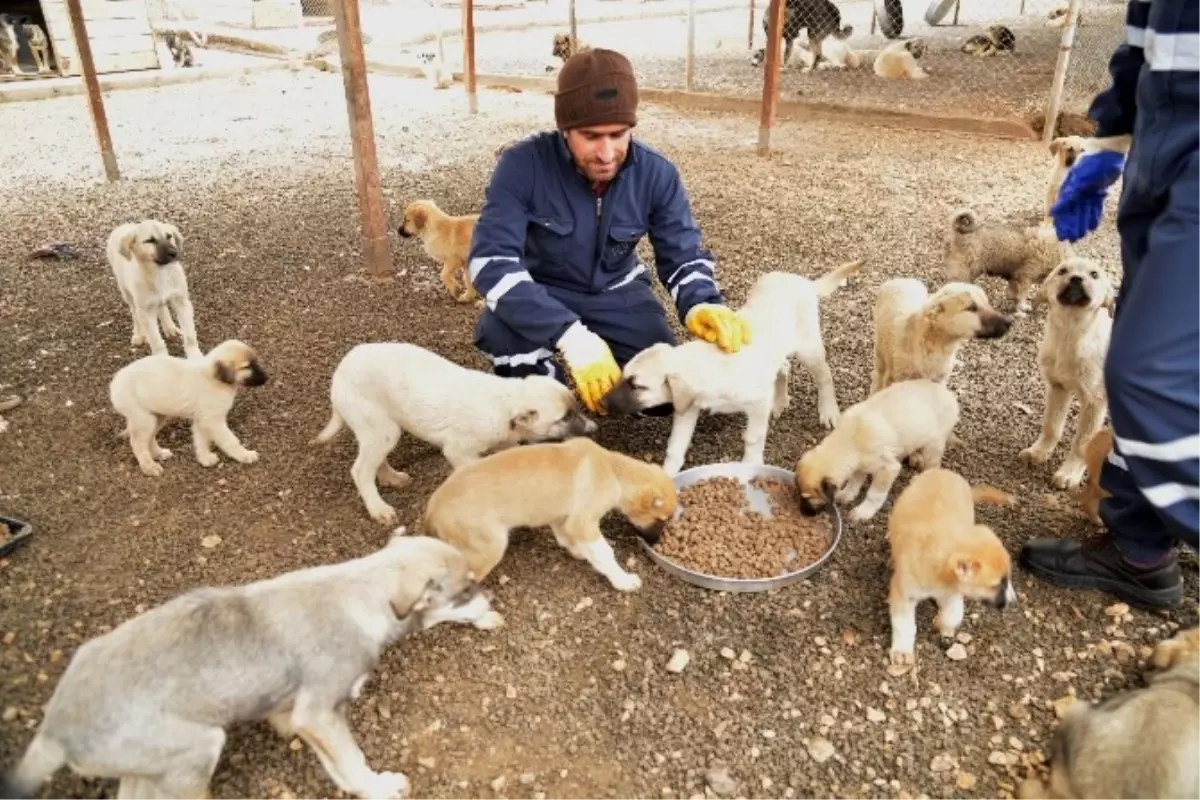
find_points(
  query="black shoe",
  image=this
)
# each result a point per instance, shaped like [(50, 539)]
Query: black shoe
[(1098, 564)]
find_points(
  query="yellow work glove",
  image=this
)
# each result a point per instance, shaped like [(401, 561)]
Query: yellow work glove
[(719, 325), (591, 365)]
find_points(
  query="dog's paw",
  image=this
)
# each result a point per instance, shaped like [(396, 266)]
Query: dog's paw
[(395, 479), (862, 512), (386, 785), (137, 340), (627, 582), (902, 658), (1068, 478), (384, 514), (830, 417), (163, 454), (171, 332), (248, 457), (1035, 455), (490, 621), (153, 469), (208, 459)]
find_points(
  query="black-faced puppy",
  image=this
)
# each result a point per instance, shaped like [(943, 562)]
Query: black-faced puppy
[(1071, 355), (911, 419), (154, 389), (144, 257), (148, 702), (918, 335), (381, 389), (568, 486), (938, 552), (1140, 743), (997, 39), (1022, 255)]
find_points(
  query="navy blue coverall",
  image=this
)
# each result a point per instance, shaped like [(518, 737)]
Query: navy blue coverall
[(548, 251), (1152, 373)]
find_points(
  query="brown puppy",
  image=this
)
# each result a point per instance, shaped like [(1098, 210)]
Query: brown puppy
[(1021, 255), (1140, 743), (899, 60), (1066, 150), (568, 486), (447, 239), (1094, 454), (938, 552), (566, 45)]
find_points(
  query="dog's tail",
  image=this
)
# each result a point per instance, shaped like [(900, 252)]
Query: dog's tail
[(332, 428), (991, 496), (43, 758), (828, 283), (844, 33)]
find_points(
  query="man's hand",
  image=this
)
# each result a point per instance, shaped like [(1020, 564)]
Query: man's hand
[(591, 365), (719, 325), (1080, 201)]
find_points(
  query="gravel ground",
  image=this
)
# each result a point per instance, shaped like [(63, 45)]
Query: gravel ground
[(571, 698), (1016, 85)]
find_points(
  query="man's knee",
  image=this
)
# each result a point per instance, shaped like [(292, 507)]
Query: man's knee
[(512, 356)]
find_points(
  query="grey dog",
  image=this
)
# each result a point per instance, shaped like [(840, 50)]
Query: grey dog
[(148, 702)]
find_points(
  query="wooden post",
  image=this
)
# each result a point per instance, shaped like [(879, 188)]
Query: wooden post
[(468, 23), (956, 7), (750, 36), (1060, 72), (571, 21), (362, 138), (689, 64), (438, 34), (770, 95), (83, 49), (872, 20)]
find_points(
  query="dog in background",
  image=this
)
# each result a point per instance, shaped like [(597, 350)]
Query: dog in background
[(568, 486), (1022, 255), (910, 419), (144, 257), (148, 702), (938, 552), (836, 53), (447, 240), (1066, 150), (1057, 18), (434, 70), (1095, 453), (39, 44), (1140, 743), (820, 19), (381, 389), (1071, 354), (918, 335), (10, 45), (899, 60), (180, 48), (997, 39), (564, 46), (156, 388)]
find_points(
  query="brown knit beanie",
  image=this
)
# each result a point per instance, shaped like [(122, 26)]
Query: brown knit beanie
[(596, 87)]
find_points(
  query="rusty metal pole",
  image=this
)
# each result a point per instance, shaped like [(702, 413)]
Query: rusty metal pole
[(362, 138), (1066, 45), (83, 49), (750, 35), (468, 23), (770, 95)]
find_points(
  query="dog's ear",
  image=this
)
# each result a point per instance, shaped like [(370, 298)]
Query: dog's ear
[(1055, 146), (683, 396), (965, 567), (829, 489), (405, 604), (224, 372), (174, 234), (418, 217), (1110, 298), (525, 419), (125, 245)]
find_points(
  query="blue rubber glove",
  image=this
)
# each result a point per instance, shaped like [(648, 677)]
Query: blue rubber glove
[(1080, 201)]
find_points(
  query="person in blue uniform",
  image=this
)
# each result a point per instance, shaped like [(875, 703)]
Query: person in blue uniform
[(1152, 372), (554, 250)]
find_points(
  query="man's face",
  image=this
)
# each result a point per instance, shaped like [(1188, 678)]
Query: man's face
[(599, 150)]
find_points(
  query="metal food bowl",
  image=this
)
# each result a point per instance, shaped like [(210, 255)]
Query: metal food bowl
[(756, 500)]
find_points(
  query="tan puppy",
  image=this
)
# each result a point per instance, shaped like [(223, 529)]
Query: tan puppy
[(447, 240), (568, 486), (899, 60), (1095, 452), (997, 39), (939, 553), (1057, 17), (155, 388), (910, 419), (1065, 150), (918, 335), (1140, 743), (144, 257), (1021, 255), (1071, 354)]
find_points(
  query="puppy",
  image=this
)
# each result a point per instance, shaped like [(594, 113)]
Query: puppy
[(144, 257), (1095, 452), (899, 60), (1021, 255), (434, 70), (564, 47), (1140, 743), (820, 19), (836, 54), (1066, 150), (910, 419), (782, 311), (997, 39), (10, 45), (180, 48), (1057, 18), (1072, 351), (148, 702), (447, 240), (155, 388), (38, 43), (939, 553), (382, 388), (568, 486), (918, 335)]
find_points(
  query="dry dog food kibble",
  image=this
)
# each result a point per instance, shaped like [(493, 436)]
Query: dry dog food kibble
[(718, 534)]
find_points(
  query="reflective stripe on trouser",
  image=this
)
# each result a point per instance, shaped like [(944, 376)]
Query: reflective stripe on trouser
[(628, 317), (1152, 373)]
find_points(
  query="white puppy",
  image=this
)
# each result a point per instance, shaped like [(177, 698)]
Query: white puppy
[(383, 388), (145, 261), (155, 388), (910, 419), (1071, 354), (784, 318), (899, 60)]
